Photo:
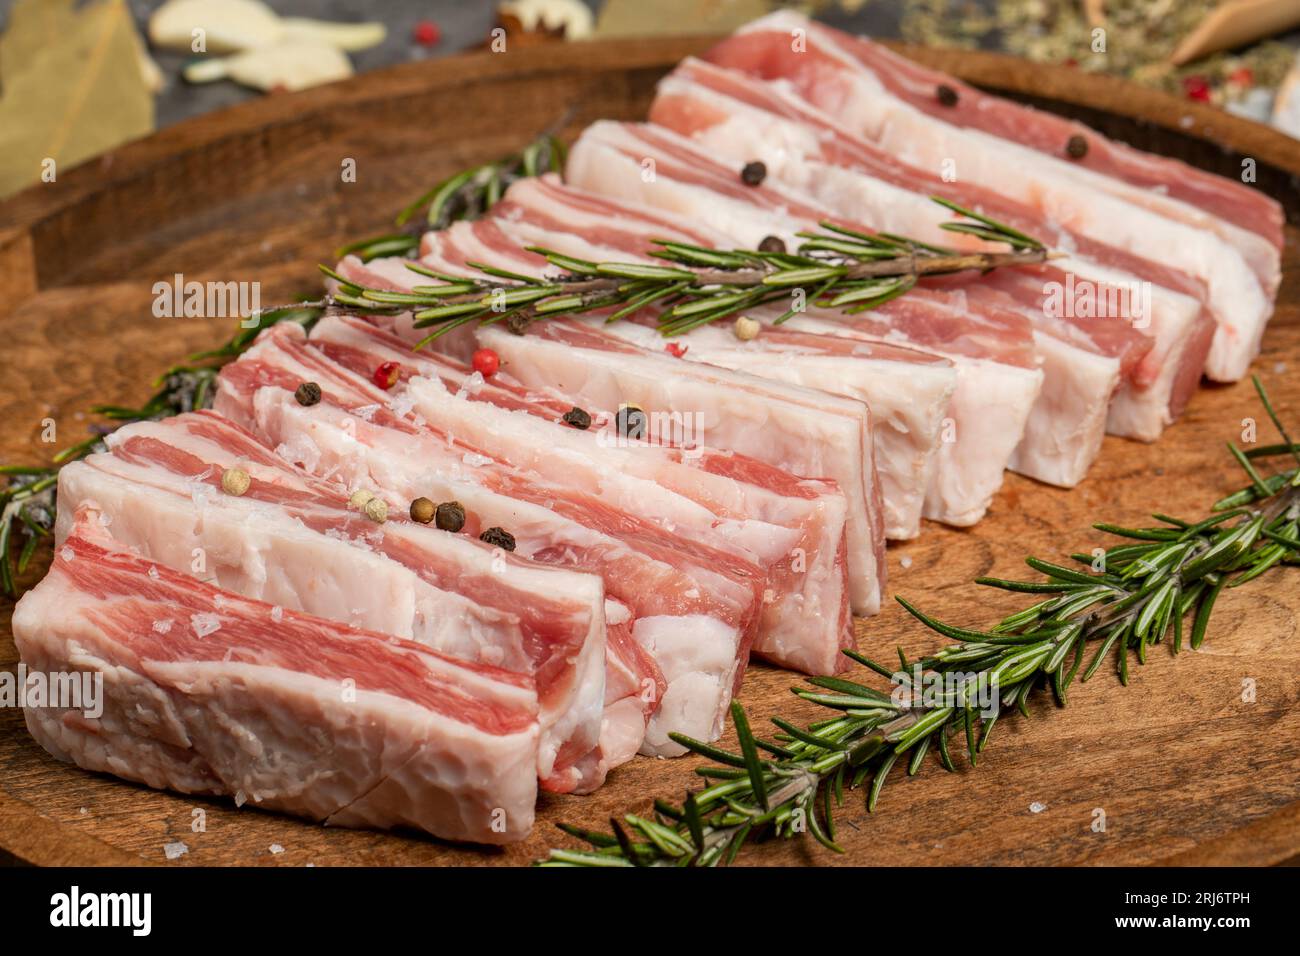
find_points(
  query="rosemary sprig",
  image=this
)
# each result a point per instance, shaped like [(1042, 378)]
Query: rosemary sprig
[(834, 267), (1159, 586), (466, 195)]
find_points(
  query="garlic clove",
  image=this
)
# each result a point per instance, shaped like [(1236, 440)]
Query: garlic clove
[(350, 37), (227, 25), (290, 66)]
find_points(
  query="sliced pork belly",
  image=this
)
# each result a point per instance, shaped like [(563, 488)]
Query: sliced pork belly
[(541, 207), (794, 527), (688, 182), (1237, 207), (208, 692), (1082, 371), (862, 88), (998, 382), (733, 115), (707, 394), (906, 390), (693, 607), (291, 541), (804, 431)]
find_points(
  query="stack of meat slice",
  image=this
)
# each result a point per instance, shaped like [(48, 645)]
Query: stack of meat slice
[(290, 540), (1224, 234), (1063, 432), (623, 518), (208, 692), (693, 606), (997, 374), (805, 431), (732, 115), (907, 390), (794, 527)]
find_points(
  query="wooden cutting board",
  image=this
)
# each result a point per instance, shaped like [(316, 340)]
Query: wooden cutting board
[(1182, 768)]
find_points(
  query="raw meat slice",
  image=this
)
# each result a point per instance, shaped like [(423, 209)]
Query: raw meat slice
[(290, 540), (794, 526), (1063, 433), (1240, 268), (688, 182), (733, 115), (542, 205), (208, 692), (1237, 207), (804, 431), (694, 608), (998, 382)]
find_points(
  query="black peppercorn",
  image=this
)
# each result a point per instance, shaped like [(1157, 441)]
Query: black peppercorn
[(753, 174), (308, 393), (499, 538), (772, 244), (1076, 147), (946, 95), (449, 516), (630, 422), (578, 418)]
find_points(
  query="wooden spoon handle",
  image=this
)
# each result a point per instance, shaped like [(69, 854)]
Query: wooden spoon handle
[(1235, 24)]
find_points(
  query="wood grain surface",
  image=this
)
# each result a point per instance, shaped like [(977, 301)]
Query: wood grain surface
[(1184, 770)]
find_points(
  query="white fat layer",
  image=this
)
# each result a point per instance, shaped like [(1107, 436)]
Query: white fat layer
[(697, 654)]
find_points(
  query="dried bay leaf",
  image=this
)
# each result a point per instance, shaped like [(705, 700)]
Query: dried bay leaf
[(72, 86)]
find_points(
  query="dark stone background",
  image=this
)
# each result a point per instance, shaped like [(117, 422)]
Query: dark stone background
[(463, 23)]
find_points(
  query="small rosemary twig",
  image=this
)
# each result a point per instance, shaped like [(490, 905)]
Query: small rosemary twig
[(1160, 585), (467, 195), (836, 267)]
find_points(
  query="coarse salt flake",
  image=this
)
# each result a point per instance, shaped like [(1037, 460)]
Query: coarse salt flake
[(277, 614), (174, 851), (471, 385), (402, 406), (205, 623), (1037, 807), (276, 849), (163, 627)]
